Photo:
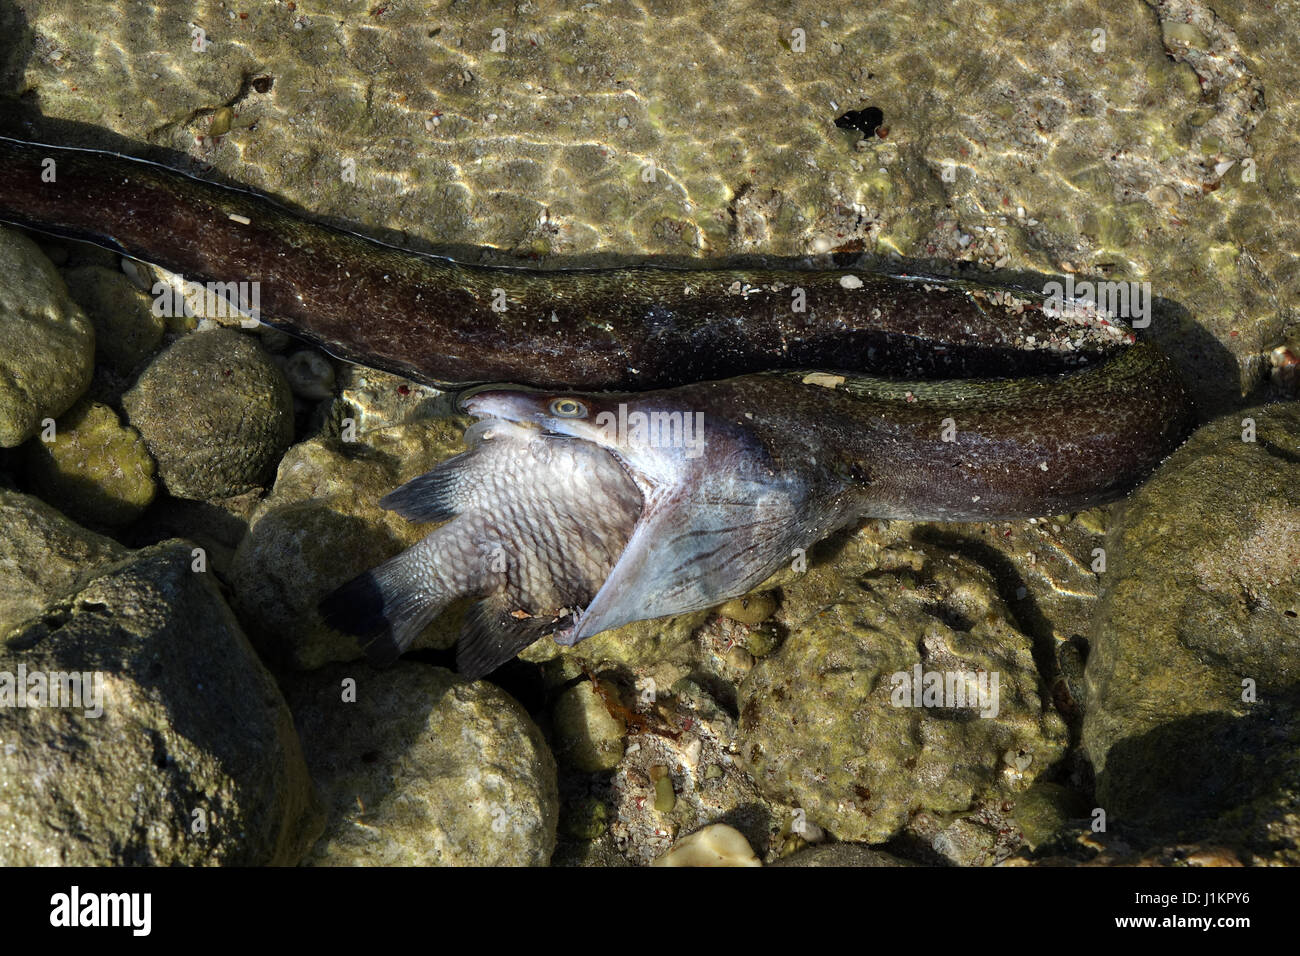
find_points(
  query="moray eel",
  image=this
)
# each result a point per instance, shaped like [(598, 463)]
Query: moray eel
[(710, 422)]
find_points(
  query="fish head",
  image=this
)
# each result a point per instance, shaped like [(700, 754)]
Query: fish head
[(654, 436)]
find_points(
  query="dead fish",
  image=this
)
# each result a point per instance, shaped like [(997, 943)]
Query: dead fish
[(534, 523)]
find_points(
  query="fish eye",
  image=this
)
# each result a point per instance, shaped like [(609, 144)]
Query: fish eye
[(568, 408)]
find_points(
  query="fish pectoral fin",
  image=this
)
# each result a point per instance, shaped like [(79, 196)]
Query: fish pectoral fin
[(432, 495), (493, 633), (692, 552)]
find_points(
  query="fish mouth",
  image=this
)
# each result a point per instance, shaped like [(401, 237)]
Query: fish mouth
[(527, 408)]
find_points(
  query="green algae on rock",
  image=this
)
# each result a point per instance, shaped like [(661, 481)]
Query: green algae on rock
[(193, 758), (587, 736), (1045, 809), (94, 467), (1193, 684), (47, 345), (42, 555), (419, 767), (822, 726), (320, 525), (215, 412)]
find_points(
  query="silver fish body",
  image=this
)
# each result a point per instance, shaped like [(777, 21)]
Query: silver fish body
[(534, 523)]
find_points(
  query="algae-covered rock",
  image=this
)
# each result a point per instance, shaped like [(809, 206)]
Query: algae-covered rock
[(587, 736), (320, 526), (47, 346), (186, 754), (419, 767), (93, 467), (844, 720), (660, 642), (1045, 809), (1193, 684), (126, 330), (42, 554), (215, 412)]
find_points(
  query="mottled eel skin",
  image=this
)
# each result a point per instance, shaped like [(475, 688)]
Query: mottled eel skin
[(1031, 414)]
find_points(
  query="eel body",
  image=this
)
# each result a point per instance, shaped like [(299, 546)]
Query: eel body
[(795, 401)]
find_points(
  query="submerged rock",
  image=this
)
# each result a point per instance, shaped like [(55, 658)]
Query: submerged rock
[(216, 413), (42, 555), (842, 854), (187, 755), (126, 330), (830, 722), (94, 467), (1193, 684), (587, 736), (47, 346), (419, 767)]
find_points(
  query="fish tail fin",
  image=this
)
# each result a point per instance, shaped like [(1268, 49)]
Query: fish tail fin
[(383, 609)]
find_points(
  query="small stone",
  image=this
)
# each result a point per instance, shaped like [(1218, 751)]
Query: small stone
[(752, 609), (715, 845), (310, 375), (420, 767), (842, 854), (1178, 35), (665, 796), (1043, 809), (126, 330), (587, 736)]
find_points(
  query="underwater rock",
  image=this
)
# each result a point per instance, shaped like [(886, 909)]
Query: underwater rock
[(186, 755), (95, 468), (42, 554), (1193, 684), (126, 330), (587, 736), (215, 412), (842, 854), (830, 723), (423, 768), (47, 345), (1045, 809)]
